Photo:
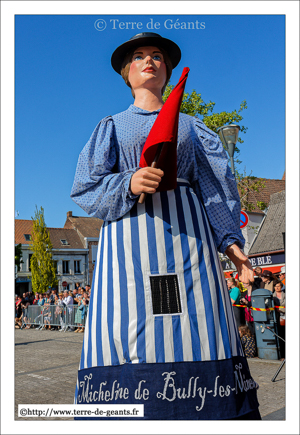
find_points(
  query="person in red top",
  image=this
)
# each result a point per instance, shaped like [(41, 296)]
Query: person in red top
[(36, 299)]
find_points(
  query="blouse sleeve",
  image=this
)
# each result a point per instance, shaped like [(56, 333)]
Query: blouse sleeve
[(216, 187), (98, 189)]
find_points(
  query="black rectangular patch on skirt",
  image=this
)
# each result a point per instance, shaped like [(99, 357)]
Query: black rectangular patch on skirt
[(165, 294)]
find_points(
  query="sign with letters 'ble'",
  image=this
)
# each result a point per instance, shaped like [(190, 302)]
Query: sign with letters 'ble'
[(243, 219)]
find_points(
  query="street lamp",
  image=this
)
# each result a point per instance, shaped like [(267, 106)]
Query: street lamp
[(229, 136)]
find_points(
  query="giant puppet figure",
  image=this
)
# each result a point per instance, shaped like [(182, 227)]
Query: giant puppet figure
[(160, 330)]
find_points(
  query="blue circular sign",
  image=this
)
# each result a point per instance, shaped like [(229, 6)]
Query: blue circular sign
[(243, 219)]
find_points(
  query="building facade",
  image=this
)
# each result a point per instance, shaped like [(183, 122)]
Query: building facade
[(257, 218), (69, 255), (88, 229), (268, 248)]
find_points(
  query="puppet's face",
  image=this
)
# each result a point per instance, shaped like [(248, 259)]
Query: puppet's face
[(148, 69)]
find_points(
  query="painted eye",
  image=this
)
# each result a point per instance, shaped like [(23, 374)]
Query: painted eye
[(157, 57), (137, 57)]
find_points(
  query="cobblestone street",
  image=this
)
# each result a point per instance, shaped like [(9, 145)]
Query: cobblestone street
[(46, 364)]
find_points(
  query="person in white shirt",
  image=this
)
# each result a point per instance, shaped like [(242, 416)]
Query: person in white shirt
[(68, 302)]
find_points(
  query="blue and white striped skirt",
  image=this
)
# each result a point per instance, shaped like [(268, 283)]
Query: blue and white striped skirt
[(160, 304)]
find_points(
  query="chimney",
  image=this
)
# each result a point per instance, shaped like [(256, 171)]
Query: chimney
[(69, 214)]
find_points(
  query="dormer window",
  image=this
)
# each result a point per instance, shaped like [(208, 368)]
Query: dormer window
[(27, 237), (64, 242)]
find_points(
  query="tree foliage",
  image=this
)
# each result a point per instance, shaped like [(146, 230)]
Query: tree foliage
[(42, 266), (247, 186), (18, 255), (194, 105)]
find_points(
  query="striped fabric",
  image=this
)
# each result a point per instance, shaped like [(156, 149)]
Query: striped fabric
[(168, 234)]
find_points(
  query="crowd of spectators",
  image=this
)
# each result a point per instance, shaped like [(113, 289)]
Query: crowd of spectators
[(77, 302), (240, 296), (69, 314)]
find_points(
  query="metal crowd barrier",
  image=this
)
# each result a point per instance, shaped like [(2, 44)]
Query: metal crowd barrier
[(65, 317)]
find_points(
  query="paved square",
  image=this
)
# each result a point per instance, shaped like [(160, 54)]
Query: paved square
[(46, 364)]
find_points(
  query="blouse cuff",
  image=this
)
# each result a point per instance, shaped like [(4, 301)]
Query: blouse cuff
[(129, 194), (230, 241)]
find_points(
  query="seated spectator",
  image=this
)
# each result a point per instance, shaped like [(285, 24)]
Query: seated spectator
[(247, 341), (235, 295), (267, 280), (279, 301)]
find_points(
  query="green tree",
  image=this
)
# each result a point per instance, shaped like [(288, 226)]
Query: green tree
[(18, 255), (247, 186), (194, 105), (42, 266)]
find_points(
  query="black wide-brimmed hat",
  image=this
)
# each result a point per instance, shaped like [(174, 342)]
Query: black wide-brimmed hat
[(144, 40)]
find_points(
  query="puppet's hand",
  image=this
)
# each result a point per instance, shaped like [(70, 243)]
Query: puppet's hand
[(241, 262), (145, 180)]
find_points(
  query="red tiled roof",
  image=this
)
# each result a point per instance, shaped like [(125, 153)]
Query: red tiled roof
[(271, 186), (86, 226), (56, 235), (22, 227)]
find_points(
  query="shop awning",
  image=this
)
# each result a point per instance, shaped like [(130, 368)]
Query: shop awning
[(274, 269)]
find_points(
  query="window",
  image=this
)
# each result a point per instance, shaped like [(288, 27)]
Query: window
[(64, 241), (77, 266), (27, 237), (66, 266)]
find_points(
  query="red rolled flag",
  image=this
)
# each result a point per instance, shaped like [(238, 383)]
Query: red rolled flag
[(165, 132)]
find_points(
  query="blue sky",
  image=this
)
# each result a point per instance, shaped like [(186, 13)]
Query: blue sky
[(64, 85)]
